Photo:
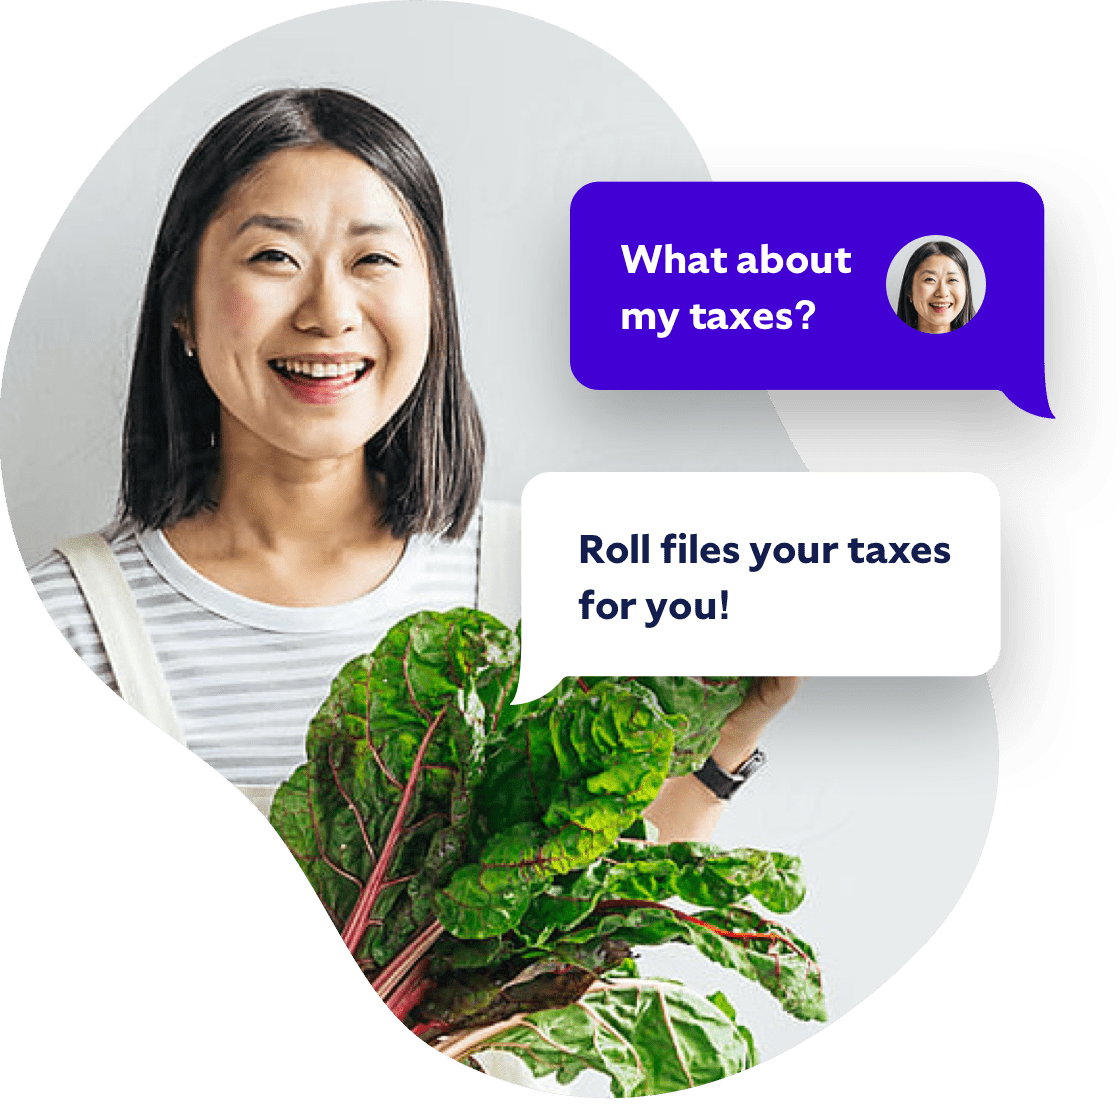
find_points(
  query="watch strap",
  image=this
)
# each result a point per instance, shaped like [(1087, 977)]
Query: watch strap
[(724, 784)]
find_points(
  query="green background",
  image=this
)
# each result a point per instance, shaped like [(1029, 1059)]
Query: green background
[(161, 947)]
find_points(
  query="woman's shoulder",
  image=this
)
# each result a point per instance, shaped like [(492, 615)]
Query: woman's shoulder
[(54, 576)]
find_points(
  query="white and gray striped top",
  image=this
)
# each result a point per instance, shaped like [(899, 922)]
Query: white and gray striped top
[(246, 677)]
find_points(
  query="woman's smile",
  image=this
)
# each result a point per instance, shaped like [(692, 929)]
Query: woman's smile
[(311, 305), (321, 378)]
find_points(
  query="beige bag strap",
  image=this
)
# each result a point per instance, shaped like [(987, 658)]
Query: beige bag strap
[(499, 561), (127, 644), (123, 633)]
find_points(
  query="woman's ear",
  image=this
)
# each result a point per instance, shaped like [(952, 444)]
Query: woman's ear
[(183, 329)]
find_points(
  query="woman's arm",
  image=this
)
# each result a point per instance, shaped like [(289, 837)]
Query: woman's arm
[(685, 810)]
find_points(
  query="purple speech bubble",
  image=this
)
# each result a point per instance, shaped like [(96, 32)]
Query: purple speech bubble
[(642, 251)]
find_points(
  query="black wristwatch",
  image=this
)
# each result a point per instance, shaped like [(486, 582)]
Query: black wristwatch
[(724, 784)]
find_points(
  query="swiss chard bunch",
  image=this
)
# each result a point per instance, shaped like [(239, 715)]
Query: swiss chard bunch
[(485, 863)]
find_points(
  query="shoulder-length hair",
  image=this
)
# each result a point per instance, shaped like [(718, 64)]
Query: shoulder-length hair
[(906, 310), (429, 453)]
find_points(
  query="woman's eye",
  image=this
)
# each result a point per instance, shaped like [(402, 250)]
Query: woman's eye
[(377, 259), (272, 257)]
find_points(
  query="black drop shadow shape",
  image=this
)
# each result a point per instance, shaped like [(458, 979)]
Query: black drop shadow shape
[(1055, 476)]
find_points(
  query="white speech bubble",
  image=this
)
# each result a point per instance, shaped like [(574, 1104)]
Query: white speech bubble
[(931, 608)]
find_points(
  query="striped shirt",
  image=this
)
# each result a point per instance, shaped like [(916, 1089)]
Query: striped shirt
[(246, 678)]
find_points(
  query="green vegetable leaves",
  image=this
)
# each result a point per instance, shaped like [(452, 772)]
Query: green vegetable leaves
[(471, 855), (424, 792), (380, 815), (650, 1036), (620, 898), (701, 874), (734, 937), (699, 704), (573, 778)]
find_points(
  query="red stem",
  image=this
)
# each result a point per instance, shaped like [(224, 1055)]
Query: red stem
[(359, 920), (610, 905), (411, 991), (391, 975), (424, 1027)]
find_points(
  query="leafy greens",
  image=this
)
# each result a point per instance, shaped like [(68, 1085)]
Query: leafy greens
[(485, 865)]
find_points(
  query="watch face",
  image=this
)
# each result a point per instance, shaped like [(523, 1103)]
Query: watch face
[(751, 765)]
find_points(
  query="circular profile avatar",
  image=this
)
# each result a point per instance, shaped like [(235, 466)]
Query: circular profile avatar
[(935, 293)]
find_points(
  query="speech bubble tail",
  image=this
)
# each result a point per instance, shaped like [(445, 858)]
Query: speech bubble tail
[(532, 684), (1032, 400)]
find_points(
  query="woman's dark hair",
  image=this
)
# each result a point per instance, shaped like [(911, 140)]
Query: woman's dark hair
[(906, 310), (430, 452)]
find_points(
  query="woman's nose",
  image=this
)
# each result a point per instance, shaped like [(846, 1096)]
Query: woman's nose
[(330, 306)]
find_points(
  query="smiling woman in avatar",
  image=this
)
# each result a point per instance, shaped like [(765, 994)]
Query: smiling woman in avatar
[(935, 296)]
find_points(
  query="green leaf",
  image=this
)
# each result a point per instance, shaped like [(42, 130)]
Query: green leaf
[(705, 874), (720, 1000), (733, 937), (650, 1036), (555, 796), (698, 873), (702, 703)]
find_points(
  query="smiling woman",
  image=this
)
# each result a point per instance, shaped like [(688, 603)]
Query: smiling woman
[(935, 295), (302, 452), (310, 322)]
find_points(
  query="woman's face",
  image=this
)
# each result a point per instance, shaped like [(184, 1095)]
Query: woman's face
[(311, 305), (938, 292)]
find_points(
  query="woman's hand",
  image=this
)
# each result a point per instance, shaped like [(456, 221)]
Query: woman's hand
[(686, 810), (744, 726)]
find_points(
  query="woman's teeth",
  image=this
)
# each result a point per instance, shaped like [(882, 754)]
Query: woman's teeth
[(319, 370)]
